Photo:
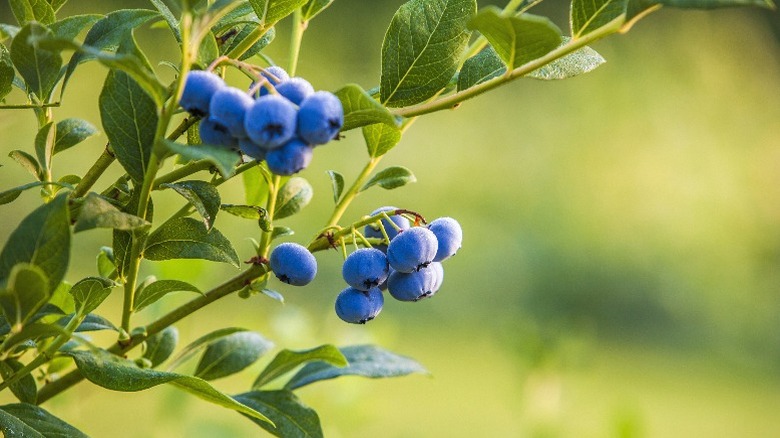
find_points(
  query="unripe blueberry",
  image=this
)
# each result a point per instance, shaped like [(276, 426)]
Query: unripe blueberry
[(250, 148), (275, 75), (438, 270), (412, 286), (228, 108), (357, 306), (320, 117), (293, 264), (412, 249), (270, 121), (199, 87), (398, 220), (215, 134), (295, 90), (289, 159), (365, 268), (448, 234)]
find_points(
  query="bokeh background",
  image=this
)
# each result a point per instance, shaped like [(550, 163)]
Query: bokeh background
[(620, 269)]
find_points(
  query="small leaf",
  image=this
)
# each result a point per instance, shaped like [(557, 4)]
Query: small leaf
[(255, 186), (39, 68), (71, 132), (223, 159), (90, 292), (27, 291), (481, 67), (208, 51), (292, 197), (202, 342), (279, 231), (360, 109), (122, 240), (25, 389), (231, 354), (160, 346), (272, 294), (96, 212), (202, 195), (287, 360), (32, 332), (391, 178), (152, 292), (380, 139), (6, 72), (105, 262), (271, 11), (28, 162), (70, 27), (173, 22), (62, 299), (337, 183), (314, 7), (587, 15), (187, 238), (244, 33), (92, 323), (26, 11), (44, 144), (47, 310), (364, 360), (291, 417), (26, 420), (245, 211)]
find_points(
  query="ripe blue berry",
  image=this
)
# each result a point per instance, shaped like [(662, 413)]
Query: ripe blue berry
[(289, 159), (293, 264), (365, 268), (228, 108), (320, 118), (249, 147), (357, 306), (295, 90), (275, 75), (412, 286), (215, 134), (374, 231), (199, 87), (448, 234), (438, 270), (412, 249), (270, 121)]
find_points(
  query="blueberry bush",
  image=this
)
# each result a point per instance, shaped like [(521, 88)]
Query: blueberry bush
[(266, 128)]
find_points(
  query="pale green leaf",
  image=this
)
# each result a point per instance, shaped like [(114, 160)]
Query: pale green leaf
[(288, 360), (391, 178), (360, 109), (380, 138), (295, 194)]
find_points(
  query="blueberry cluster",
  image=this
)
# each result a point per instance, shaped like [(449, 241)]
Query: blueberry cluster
[(281, 123), (408, 267)]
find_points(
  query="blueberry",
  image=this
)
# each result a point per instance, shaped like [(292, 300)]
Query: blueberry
[(270, 121), (289, 159), (320, 117), (228, 108), (215, 134), (438, 269), (412, 286), (295, 90), (293, 264), (357, 306), (275, 75), (199, 87), (412, 249), (448, 234), (374, 231), (249, 147), (365, 268)]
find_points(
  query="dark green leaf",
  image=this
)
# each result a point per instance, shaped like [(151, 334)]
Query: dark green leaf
[(208, 51), (202, 342), (223, 159), (25, 389), (391, 178), (291, 417), (105, 262), (245, 211), (26, 11), (187, 238), (96, 212), (231, 354), (292, 197), (90, 292), (481, 67), (47, 310), (154, 291), (422, 49), (28, 162), (243, 13), (39, 68), (6, 72), (160, 346), (171, 19), (271, 11), (42, 239), (109, 371), (337, 183), (517, 39), (380, 139), (287, 360), (71, 132), (33, 332), (70, 27), (364, 360), (232, 42), (29, 421), (360, 109), (589, 15), (314, 7), (122, 240), (27, 291), (202, 195), (44, 144), (93, 323), (129, 118)]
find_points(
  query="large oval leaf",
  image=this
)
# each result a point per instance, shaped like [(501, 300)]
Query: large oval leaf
[(39, 68), (188, 238), (231, 354)]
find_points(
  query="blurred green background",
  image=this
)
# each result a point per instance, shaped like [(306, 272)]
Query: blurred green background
[(620, 271)]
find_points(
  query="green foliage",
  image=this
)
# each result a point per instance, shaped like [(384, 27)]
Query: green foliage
[(6, 72), (25, 389), (201, 195), (290, 417), (360, 109), (26, 11), (149, 293), (288, 360), (231, 354), (96, 212), (187, 238), (90, 292), (224, 160), (337, 184), (28, 420), (293, 196), (40, 68), (160, 346), (380, 139), (391, 178)]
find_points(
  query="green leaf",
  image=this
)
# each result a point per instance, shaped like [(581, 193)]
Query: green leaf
[(360, 109), (422, 49), (30, 421), (89, 292), (44, 144), (70, 27), (62, 299), (271, 11), (588, 15), (26, 11), (292, 197), (313, 8), (364, 360), (152, 292), (8, 31), (517, 39), (91, 323), (380, 139), (187, 238), (28, 162), (57, 4), (32, 332), (160, 346), (576, 63), (223, 159), (245, 211), (245, 31), (71, 132), (105, 262), (255, 186), (129, 117), (122, 240), (287, 360), (231, 354), (25, 389), (202, 195), (41, 239), (96, 212), (272, 294), (27, 291), (481, 67), (47, 310), (109, 371), (6, 72), (337, 183), (202, 342), (208, 51), (291, 417), (39, 68), (173, 22), (391, 178), (281, 232)]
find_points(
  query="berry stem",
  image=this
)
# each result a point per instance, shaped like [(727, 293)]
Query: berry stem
[(353, 191), (98, 168), (298, 28), (265, 240), (30, 106)]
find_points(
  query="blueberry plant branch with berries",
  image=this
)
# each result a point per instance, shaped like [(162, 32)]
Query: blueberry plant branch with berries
[(436, 54)]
